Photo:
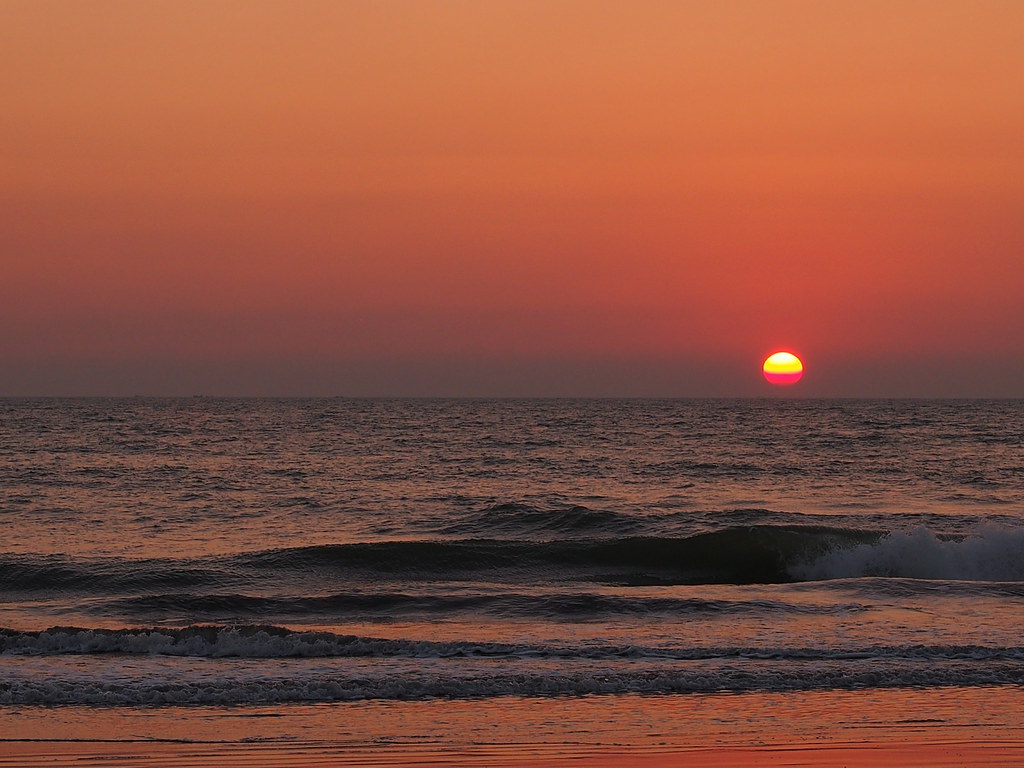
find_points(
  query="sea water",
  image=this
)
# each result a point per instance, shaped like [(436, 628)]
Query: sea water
[(355, 560)]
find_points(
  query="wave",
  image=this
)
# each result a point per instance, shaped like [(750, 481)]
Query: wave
[(273, 642), (331, 689), (525, 520), (994, 553), (560, 520), (742, 555), (561, 606), (31, 573), (736, 555), (252, 686)]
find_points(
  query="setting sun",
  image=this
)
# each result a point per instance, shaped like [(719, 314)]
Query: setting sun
[(783, 368), (426, 335)]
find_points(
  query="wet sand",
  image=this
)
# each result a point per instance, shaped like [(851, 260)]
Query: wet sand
[(860, 755), (895, 728)]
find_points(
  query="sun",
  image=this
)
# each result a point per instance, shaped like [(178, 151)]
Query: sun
[(783, 368)]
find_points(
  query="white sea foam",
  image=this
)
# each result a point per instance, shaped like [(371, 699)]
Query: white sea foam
[(993, 553)]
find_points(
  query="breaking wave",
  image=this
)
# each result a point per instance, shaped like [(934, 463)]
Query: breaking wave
[(738, 555), (994, 553)]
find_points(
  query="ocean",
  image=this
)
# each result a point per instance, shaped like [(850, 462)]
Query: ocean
[(379, 572)]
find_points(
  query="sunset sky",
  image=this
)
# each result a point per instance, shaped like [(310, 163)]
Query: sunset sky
[(293, 197)]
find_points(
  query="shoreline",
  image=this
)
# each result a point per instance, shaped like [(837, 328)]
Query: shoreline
[(140, 754), (885, 727)]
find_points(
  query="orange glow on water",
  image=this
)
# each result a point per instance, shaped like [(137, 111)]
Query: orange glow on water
[(783, 368)]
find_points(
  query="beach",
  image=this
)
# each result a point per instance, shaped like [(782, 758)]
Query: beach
[(942, 755), (975, 727)]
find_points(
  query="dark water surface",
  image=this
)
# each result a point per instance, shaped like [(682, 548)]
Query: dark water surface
[(253, 552)]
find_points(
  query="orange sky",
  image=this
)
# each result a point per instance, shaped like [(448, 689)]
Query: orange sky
[(511, 198)]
